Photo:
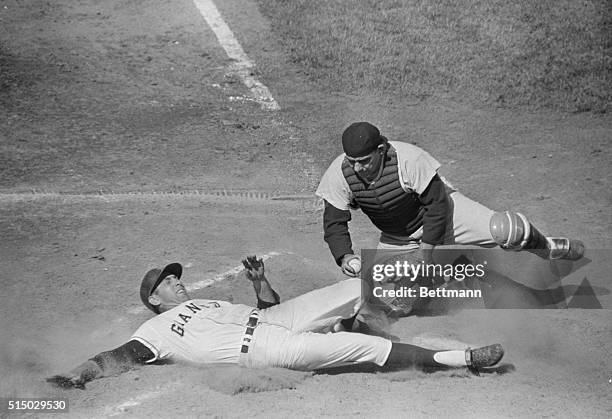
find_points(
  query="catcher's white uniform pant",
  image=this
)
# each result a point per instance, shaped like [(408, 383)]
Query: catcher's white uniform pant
[(467, 224), (296, 334)]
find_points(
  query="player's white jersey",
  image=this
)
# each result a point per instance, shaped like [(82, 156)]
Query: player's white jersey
[(202, 331)]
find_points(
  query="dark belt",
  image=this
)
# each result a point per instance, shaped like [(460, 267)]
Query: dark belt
[(248, 334)]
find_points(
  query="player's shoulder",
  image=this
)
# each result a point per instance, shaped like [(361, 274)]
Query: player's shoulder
[(412, 155), (336, 164), (333, 174), (402, 147)]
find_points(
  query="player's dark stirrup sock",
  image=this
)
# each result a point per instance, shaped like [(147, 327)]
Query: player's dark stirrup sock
[(406, 355), (348, 323)]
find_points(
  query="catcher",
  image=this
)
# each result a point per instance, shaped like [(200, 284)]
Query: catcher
[(397, 186), (294, 334)]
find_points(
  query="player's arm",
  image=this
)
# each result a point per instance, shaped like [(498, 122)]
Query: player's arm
[(335, 192), (435, 202), (336, 233), (107, 363), (255, 272), (338, 238)]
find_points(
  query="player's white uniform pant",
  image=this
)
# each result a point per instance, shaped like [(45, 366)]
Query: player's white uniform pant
[(295, 334)]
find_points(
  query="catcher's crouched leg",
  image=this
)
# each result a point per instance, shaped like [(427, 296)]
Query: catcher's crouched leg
[(512, 231)]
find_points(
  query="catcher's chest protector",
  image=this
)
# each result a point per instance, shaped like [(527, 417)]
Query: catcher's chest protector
[(392, 209)]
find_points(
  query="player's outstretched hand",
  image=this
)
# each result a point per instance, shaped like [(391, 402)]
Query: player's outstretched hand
[(254, 268), (65, 381)]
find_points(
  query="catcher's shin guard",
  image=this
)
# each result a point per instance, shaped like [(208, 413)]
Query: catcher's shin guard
[(512, 230)]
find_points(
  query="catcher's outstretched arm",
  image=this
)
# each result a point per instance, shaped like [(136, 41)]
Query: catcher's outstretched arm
[(254, 269), (336, 232), (106, 363)]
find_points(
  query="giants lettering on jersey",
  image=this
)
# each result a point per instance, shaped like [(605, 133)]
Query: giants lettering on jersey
[(178, 327)]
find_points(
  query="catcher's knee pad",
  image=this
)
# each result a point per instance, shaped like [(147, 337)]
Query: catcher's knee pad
[(510, 230)]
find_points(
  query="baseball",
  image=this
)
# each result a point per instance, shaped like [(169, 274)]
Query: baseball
[(355, 265)]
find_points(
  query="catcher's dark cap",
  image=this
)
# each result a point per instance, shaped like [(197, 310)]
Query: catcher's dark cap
[(360, 138), (152, 279)]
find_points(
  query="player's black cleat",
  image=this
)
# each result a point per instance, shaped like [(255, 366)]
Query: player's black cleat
[(484, 357)]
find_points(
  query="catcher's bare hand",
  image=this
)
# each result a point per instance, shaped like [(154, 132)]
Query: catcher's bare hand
[(65, 381), (254, 268), (350, 265)]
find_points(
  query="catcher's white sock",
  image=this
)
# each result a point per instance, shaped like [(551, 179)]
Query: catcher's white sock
[(453, 359)]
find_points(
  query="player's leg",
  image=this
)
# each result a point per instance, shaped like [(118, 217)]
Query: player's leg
[(314, 351), (468, 222), (474, 224), (512, 230), (404, 355), (319, 310)]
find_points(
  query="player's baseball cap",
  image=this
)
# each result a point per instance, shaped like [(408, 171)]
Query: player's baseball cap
[(152, 279), (360, 138)]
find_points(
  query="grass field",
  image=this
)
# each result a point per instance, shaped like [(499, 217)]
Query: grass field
[(518, 53)]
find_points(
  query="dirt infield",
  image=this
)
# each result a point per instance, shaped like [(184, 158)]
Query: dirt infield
[(121, 149), (79, 259)]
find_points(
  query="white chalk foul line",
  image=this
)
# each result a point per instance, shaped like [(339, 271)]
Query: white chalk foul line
[(123, 407), (243, 67), (227, 274), (209, 281)]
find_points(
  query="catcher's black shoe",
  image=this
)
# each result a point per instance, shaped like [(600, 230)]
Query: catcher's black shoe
[(564, 248), (487, 356)]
